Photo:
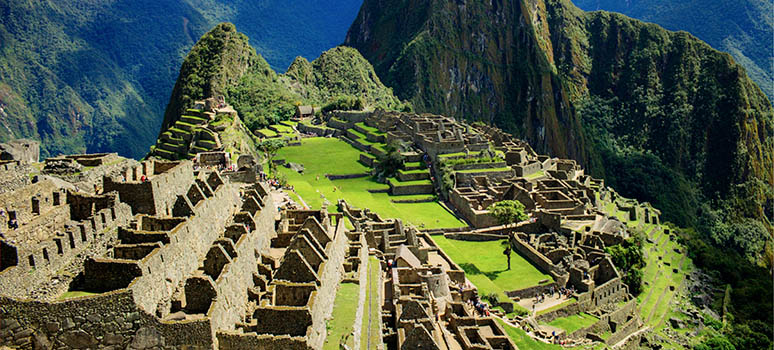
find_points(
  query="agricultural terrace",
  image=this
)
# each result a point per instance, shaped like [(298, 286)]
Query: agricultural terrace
[(323, 156)]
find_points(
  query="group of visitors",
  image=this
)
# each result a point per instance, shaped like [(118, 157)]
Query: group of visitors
[(482, 308)]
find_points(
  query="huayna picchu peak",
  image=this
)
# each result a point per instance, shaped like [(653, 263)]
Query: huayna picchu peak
[(502, 175)]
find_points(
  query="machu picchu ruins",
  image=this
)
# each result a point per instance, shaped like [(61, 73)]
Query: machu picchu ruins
[(207, 245)]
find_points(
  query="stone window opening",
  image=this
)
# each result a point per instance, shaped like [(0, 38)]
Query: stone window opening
[(45, 254), (83, 233), (72, 240), (55, 195), (11, 215), (35, 206), (59, 247), (31, 259)]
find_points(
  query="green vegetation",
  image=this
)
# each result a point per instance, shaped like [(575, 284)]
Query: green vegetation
[(321, 156), (484, 266), (344, 103), (628, 258), (388, 164), (508, 212), (652, 115), (524, 341), (270, 148), (343, 317), (575, 322), (744, 30), (371, 326), (75, 294)]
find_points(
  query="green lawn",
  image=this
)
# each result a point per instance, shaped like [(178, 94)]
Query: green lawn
[(268, 132), (322, 156), (488, 260), (489, 170), (535, 175), (486, 267), (524, 341), (283, 128), (75, 294), (575, 322), (370, 129), (371, 333), (343, 318), (396, 182)]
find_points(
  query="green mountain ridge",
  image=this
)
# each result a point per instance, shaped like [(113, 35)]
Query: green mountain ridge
[(745, 29), (223, 63), (94, 76), (629, 100)]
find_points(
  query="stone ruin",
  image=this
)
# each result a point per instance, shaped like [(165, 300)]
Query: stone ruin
[(425, 292), (565, 237), (167, 257), (20, 150)]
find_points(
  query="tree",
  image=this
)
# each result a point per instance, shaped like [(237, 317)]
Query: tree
[(508, 212), (270, 148), (389, 163), (507, 252)]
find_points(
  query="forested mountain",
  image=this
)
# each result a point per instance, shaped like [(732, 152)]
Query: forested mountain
[(224, 63), (95, 75), (643, 107), (743, 28)]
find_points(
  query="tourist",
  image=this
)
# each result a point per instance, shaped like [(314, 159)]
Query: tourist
[(143, 178)]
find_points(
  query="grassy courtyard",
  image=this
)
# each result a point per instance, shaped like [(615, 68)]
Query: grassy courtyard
[(575, 322), (343, 318), (487, 259), (486, 267), (321, 156)]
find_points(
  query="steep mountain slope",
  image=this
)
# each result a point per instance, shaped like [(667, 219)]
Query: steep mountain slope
[(72, 78), (676, 112), (224, 63), (743, 28), (95, 75)]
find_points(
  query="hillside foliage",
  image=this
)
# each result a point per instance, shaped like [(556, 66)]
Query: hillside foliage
[(95, 76), (745, 29)]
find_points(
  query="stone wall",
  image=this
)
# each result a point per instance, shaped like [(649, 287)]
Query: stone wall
[(232, 302), (332, 273), (401, 190), (108, 321), (13, 176), (23, 150), (159, 194), (317, 130), (167, 266), (526, 250), (467, 179)]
